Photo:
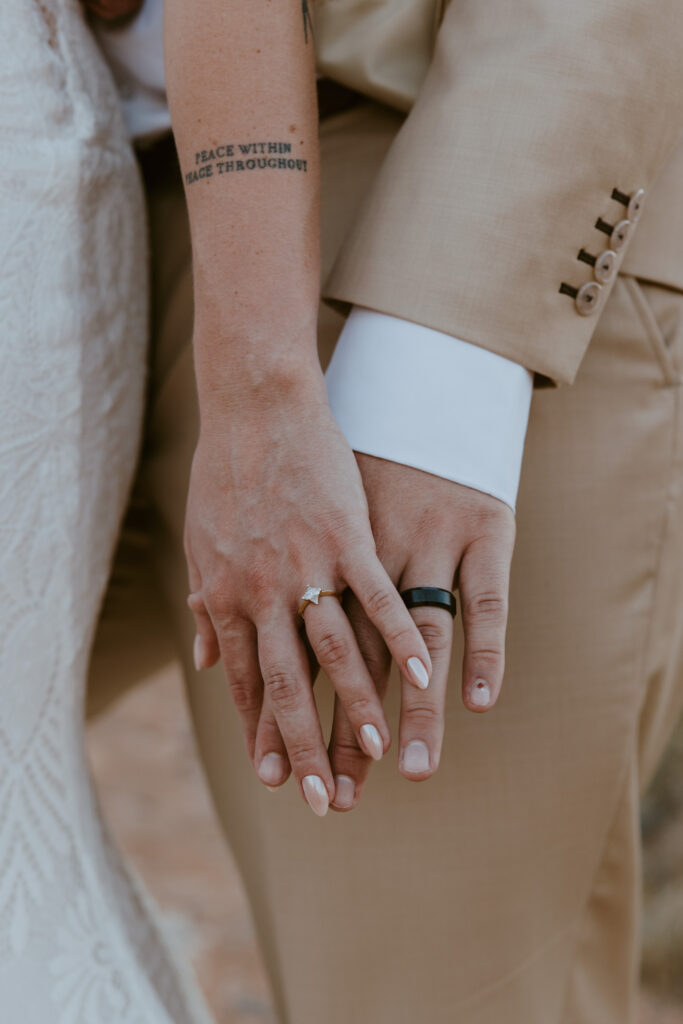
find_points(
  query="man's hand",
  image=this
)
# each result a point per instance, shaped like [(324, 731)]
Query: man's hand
[(431, 532), (276, 503)]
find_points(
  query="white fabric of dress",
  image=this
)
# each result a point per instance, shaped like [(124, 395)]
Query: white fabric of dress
[(80, 941)]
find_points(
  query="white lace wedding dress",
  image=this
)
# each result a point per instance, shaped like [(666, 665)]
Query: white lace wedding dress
[(79, 941)]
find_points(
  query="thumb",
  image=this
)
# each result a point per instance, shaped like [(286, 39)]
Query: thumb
[(205, 651)]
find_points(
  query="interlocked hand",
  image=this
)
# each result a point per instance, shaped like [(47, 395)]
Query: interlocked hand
[(431, 532)]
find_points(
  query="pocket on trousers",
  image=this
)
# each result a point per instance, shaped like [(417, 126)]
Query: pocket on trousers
[(660, 313)]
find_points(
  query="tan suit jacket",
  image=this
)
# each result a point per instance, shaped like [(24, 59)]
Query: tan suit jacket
[(523, 118)]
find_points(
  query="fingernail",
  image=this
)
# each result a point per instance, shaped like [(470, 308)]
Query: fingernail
[(272, 769), (198, 652), (415, 757), (372, 741), (480, 693), (345, 791), (316, 794), (418, 673)]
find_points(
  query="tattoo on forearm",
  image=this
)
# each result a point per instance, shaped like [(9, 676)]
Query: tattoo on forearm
[(232, 157), (308, 21)]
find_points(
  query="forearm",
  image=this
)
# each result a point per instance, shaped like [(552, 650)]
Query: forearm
[(241, 86)]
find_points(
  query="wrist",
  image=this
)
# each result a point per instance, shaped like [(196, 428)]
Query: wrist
[(260, 388), (257, 362)]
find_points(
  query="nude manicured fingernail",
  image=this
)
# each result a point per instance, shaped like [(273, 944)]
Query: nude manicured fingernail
[(418, 673), (316, 794), (345, 791), (480, 693), (272, 769), (415, 757), (198, 652), (372, 741)]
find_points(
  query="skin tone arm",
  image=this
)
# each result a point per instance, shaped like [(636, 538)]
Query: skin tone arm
[(276, 500)]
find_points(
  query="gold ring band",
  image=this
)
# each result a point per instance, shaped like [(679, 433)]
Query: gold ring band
[(312, 595)]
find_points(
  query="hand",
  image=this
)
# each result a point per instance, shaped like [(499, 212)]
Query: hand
[(431, 532), (113, 11), (276, 503)]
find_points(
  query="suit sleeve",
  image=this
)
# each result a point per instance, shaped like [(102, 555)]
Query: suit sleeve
[(508, 200)]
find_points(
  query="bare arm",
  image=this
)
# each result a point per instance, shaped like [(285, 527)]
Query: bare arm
[(241, 87), (276, 501)]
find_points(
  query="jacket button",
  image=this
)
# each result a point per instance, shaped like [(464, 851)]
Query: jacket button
[(588, 298), (620, 235), (605, 266), (635, 205)]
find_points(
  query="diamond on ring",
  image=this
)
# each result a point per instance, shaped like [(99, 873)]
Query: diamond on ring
[(313, 595)]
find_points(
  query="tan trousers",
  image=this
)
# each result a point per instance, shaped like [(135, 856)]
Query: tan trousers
[(505, 890)]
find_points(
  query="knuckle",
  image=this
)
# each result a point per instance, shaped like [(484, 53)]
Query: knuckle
[(435, 636), (379, 602), (490, 653), (258, 584), (398, 635), (245, 698), (489, 661), (338, 529), (227, 624), (217, 599), (425, 714), (431, 521), (302, 753), (332, 649), (282, 688), (488, 606), (359, 552), (195, 603), (357, 707), (497, 522), (346, 748)]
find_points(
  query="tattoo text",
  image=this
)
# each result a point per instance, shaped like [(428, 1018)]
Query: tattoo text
[(243, 156)]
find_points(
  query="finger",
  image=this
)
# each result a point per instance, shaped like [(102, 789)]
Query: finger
[(287, 682), (372, 586), (350, 764), (313, 666), (484, 578), (206, 651), (421, 725), (237, 641), (336, 649), (270, 754)]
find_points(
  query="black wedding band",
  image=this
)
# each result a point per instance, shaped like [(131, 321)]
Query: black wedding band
[(435, 597)]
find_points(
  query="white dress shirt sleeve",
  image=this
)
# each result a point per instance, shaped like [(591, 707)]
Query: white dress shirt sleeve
[(410, 394)]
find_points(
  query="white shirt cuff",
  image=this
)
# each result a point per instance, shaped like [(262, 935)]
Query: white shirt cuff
[(410, 394)]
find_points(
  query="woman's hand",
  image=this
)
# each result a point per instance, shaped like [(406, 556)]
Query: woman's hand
[(431, 532), (276, 504)]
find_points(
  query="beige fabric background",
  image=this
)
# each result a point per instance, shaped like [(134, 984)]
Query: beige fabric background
[(149, 778)]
